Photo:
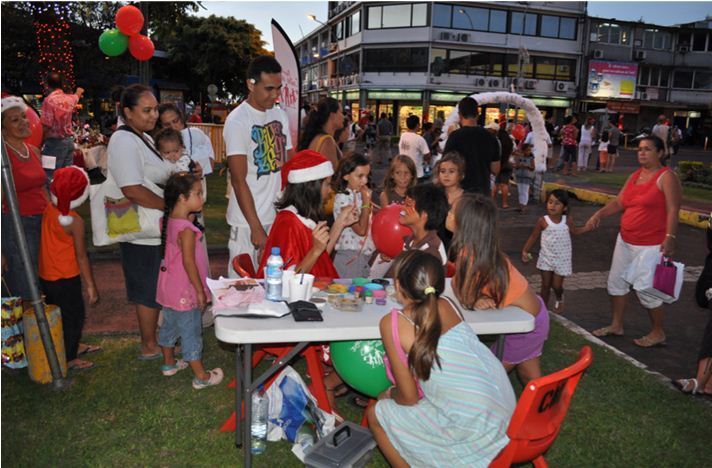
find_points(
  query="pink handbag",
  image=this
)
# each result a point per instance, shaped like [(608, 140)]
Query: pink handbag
[(665, 276)]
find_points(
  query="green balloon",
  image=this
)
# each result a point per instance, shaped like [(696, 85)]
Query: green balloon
[(360, 364), (113, 43)]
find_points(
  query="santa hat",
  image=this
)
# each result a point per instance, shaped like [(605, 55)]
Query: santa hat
[(306, 166), (68, 190), (8, 102)]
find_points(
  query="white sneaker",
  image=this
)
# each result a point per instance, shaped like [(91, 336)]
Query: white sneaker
[(216, 376), (168, 370)]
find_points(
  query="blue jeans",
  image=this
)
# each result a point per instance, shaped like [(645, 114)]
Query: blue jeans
[(60, 148), (15, 277), (186, 325)]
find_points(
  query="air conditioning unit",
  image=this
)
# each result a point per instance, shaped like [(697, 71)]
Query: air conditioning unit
[(683, 49), (493, 83), (639, 55), (561, 86), (480, 82), (446, 36), (463, 37), (530, 84), (597, 53)]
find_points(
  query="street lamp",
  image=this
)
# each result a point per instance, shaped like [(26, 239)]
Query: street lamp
[(313, 17), (463, 12)]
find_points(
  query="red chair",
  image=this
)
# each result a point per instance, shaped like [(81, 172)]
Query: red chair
[(539, 413), (242, 264)]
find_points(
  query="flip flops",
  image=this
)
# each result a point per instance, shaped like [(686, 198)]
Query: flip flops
[(80, 365), (89, 349), (605, 331), (150, 357)]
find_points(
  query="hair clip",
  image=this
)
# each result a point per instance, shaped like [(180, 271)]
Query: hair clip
[(429, 290)]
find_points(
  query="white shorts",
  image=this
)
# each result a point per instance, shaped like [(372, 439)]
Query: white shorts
[(240, 243), (623, 256)]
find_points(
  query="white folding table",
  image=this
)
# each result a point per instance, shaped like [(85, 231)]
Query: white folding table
[(336, 326)]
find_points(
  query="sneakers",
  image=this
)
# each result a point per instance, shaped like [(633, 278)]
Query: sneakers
[(216, 376), (170, 370)]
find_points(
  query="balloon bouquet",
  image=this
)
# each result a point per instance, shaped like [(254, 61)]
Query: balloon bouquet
[(129, 21)]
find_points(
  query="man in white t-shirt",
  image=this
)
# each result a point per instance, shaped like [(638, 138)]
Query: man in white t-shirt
[(414, 146), (257, 144)]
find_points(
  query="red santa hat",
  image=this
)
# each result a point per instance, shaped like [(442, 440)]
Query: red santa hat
[(306, 166), (8, 102), (68, 190)]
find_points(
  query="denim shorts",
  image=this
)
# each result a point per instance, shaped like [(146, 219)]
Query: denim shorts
[(141, 264), (186, 325), (14, 277)]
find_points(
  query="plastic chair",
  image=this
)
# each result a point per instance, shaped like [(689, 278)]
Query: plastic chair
[(540, 411), (242, 264)]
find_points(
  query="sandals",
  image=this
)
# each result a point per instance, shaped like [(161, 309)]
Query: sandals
[(647, 342), (605, 331), (80, 365), (683, 385), (89, 349)]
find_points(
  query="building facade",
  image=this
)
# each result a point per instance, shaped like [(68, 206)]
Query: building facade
[(422, 57)]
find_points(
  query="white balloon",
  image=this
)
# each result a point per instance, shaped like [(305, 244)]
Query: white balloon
[(541, 136)]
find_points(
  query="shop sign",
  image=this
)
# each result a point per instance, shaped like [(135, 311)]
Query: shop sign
[(624, 107), (396, 95), (612, 79), (350, 95), (447, 97), (541, 102)]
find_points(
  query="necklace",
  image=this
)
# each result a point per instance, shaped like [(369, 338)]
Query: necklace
[(18, 152)]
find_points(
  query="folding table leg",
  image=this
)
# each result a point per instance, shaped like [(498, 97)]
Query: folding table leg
[(499, 347), (247, 384), (238, 395)]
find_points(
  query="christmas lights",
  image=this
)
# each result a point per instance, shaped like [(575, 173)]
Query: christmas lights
[(52, 33)]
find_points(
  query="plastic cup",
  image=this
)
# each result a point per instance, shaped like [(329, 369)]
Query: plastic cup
[(300, 287), (287, 276)]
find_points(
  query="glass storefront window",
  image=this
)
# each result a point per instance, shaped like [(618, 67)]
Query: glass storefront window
[(442, 15), (406, 111), (459, 62), (565, 69), (545, 68), (479, 63)]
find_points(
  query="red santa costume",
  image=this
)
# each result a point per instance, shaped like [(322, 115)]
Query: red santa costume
[(291, 232)]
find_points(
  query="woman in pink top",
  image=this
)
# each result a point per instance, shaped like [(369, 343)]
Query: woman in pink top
[(181, 289), (650, 203)]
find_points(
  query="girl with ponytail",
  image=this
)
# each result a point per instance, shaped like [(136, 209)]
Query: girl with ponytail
[(182, 290), (451, 398)]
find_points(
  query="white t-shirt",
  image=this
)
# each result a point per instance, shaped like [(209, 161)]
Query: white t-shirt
[(263, 137), (586, 135), (349, 240), (199, 147), (415, 147), (131, 162)]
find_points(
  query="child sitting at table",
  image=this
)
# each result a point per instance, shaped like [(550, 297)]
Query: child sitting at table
[(300, 230), (467, 399), (424, 213), (486, 279)]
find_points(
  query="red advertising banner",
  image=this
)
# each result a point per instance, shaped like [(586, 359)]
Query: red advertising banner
[(624, 107)]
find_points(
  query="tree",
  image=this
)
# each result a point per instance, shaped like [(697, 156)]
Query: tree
[(209, 50)]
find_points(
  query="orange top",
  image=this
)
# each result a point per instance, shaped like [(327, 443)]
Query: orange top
[(517, 285), (58, 259)]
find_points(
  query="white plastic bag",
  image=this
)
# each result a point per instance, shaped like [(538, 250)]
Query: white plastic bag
[(290, 405), (641, 272)]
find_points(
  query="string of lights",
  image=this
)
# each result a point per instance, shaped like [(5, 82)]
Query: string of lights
[(52, 32)]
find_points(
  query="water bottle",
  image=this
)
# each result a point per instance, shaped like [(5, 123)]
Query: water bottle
[(260, 407), (305, 438), (273, 275)]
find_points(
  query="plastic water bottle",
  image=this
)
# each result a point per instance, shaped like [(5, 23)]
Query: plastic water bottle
[(260, 408), (273, 275), (305, 438)]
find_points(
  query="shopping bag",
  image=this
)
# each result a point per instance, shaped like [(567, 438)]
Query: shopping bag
[(641, 275), (665, 276), (291, 404), (13, 344), (115, 218)]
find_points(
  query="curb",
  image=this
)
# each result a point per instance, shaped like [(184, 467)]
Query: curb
[(692, 218), (585, 334)]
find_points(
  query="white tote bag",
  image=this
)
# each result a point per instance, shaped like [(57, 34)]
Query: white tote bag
[(641, 273), (115, 218)]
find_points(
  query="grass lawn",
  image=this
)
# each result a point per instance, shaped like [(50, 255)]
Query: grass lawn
[(125, 413), (617, 179)]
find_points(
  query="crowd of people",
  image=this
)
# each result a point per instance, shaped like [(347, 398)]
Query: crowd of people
[(316, 204)]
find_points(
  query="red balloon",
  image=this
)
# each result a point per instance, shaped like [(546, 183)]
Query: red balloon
[(387, 232), (141, 47), (129, 20), (35, 138), (519, 132)]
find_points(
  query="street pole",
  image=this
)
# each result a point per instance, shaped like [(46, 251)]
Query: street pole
[(59, 382), (143, 67)]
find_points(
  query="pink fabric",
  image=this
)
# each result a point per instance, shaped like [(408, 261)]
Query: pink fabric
[(174, 288), (401, 354), (57, 109)]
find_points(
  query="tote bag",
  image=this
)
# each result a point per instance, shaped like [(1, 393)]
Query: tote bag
[(641, 275)]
